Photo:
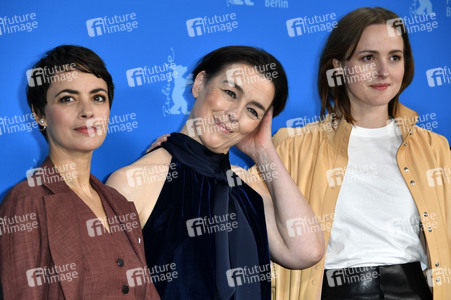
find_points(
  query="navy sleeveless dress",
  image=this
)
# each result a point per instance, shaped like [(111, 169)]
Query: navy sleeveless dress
[(206, 237)]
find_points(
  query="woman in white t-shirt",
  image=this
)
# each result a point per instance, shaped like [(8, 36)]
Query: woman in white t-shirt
[(373, 178)]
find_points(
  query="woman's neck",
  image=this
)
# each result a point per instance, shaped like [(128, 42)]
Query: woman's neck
[(367, 116), (74, 167)]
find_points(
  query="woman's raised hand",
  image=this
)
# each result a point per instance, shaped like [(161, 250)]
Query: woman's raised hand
[(260, 139)]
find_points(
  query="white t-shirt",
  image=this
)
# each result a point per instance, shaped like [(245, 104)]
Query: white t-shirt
[(376, 221)]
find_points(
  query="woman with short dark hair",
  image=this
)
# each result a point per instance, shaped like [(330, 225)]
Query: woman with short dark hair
[(65, 235)]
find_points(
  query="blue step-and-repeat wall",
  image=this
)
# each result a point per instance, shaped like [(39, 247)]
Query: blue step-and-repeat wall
[(150, 48)]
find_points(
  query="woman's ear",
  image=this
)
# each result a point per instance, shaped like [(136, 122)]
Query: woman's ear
[(198, 83), (336, 63), (39, 118)]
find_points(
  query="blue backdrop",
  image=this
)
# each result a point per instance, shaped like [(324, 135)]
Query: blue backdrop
[(146, 43)]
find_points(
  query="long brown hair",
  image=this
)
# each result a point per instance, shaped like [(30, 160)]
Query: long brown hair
[(341, 45)]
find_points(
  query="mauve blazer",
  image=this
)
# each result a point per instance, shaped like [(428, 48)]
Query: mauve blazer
[(48, 234)]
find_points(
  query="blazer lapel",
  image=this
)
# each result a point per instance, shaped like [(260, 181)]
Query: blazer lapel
[(63, 231), (123, 208)]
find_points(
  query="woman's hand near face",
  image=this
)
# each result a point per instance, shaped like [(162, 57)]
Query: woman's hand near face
[(260, 139)]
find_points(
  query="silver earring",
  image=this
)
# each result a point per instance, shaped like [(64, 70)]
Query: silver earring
[(42, 128)]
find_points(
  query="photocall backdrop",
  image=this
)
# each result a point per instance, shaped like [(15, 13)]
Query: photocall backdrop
[(150, 48)]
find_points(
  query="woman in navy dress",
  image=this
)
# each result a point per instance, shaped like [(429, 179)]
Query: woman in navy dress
[(210, 228)]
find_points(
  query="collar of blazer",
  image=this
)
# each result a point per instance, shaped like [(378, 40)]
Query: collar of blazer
[(63, 230)]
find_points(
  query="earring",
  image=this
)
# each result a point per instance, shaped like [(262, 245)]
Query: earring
[(42, 128)]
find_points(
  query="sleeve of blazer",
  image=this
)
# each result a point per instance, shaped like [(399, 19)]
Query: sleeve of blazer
[(440, 146), (21, 240)]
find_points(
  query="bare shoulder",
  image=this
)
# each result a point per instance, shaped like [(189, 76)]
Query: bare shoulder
[(133, 175), (141, 182)]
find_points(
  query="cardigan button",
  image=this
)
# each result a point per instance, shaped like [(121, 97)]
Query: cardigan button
[(406, 169), (425, 214), (437, 264), (437, 279), (430, 229), (125, 289), (411, 132), (405, 144), (412, 182)]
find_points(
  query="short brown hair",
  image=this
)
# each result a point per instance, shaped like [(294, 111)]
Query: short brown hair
[(341, 45)]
